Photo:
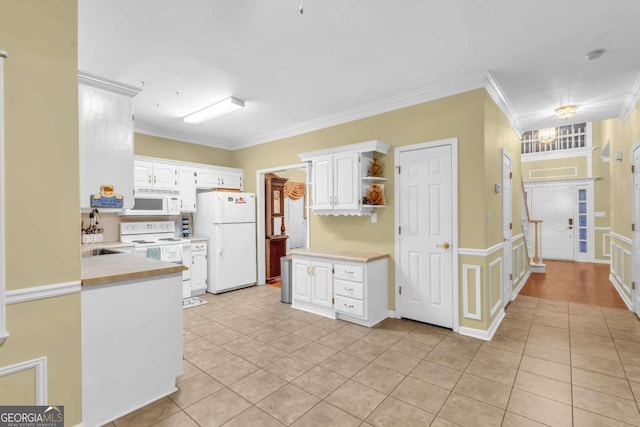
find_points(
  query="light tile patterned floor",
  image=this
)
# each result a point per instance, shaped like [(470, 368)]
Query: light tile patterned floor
[(253, 361)]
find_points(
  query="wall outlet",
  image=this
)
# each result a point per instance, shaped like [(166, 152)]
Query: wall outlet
[(488, 217)]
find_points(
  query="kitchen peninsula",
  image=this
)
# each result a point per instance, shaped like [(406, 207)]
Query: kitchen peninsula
[(131, 333)]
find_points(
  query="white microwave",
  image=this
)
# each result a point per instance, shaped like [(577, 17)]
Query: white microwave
[(155, 203)]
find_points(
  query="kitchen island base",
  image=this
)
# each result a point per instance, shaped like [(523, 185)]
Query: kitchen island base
[(131, 345)]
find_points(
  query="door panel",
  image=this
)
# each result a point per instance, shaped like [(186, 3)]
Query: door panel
[(555, 206), (346, 181), (322, 287), (301, 280), (426, 233), (507, 264), (322, 183), (635, 257)]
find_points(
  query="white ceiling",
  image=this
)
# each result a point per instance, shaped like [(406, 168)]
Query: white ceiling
[(345, 59)]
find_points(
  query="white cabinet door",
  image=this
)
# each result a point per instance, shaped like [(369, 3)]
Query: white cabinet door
[(346, 183), (105, 143), (187, 184), (230, 179), (322, 178), (165, 176), (199, 270), (207, 178), (142, 174), (301, 280), (322, 284)]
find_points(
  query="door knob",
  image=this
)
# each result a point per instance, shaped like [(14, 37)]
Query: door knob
[(445, 245)]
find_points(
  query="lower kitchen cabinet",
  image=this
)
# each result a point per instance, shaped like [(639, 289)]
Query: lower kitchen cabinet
[(336, 284), (198, 268)]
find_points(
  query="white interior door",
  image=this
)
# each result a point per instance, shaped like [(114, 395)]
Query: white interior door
[(507, 226), (554, 205), (425, 276), (635, 264)]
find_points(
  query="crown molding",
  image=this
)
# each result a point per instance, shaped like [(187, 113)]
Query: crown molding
[(483, 79), (146, 129), (497, 94), (631, 101), (109, 85), (420, 96)]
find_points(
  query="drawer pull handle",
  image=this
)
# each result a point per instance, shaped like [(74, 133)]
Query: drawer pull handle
[(348, 289), (348, 272), (348, 305)]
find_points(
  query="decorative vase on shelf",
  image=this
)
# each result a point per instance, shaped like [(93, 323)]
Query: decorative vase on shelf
[(376, 168)]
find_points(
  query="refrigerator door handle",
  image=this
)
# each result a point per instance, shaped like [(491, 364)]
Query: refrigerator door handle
[(219, 239)]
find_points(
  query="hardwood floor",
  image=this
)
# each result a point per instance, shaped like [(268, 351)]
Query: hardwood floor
[(579, 282)]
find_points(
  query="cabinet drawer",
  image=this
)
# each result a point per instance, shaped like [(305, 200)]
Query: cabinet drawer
[(349, 306), (200, 246), (348, 289), (349, 272)]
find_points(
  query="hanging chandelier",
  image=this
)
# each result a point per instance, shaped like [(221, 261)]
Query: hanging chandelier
[(566, 111), (547, 136)]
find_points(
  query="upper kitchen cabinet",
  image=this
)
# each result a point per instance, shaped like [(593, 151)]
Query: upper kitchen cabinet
[(343, 181), (187, 189), (160, 176), (105, 115), (218, 177)]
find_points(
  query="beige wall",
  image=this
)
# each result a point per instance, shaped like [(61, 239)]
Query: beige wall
[(153, 146), (555, 169), (42, 200)]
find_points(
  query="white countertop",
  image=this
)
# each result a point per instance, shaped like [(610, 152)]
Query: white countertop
[(340, 254)]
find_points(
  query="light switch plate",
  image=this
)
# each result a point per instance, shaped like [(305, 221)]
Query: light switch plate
[(374, 218)]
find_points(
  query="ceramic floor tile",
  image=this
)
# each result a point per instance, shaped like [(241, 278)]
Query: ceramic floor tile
[(506, 358), (312, 332), (549, 341), (513, 333), (315, 353), (337, 340), (196, 346), (365, 350), (319, 381), (208, 328), (257, 386), (383, 337), (546, 368), (540, 409), (397, 361), (325, 414), (449, 359), (606, 405), (421, 394), (344, 364), (179, 419), (412, 347), (224, 336), (262, 356), (289, 343), (584, 418), (194, 389), (210, 358), (632, 372), (436, 374), (380, 378), (150, 414), (595, 350), (289, 367), (242, 345), (505, 344), (394, 412), (218, 408), (189, 370), (441, 422), (494, 371), (544, 386), (428, 337), (515, 420), (288, 403), (291, 325), (487, 391), (548, 353), (253, 417), (470, 412), (232, 370), (602, 383), (356, 399), (459, 344)]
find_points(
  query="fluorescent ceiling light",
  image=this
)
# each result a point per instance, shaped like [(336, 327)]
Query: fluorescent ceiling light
[(218, 109)]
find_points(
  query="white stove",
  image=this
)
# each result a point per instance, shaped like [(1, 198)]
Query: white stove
[(154, 239)]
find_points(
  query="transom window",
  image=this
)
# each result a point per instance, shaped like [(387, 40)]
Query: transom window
[(567, 137)]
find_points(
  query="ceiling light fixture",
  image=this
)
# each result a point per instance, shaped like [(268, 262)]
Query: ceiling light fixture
[(566, 111), (218, 109), (547, 136)]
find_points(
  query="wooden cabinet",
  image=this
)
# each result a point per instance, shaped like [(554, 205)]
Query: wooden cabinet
[(276, 249), (105, 117), (187, 188), (338, 177), (161, 176), (276, 239), (352, 287)]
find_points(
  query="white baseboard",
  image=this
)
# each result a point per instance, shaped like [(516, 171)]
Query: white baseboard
[(34, 293), (479, 333), (515, 293), (601, 261), (537, 268), (620, 292)]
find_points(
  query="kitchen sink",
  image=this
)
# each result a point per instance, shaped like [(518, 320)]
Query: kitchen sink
[(101, 251)]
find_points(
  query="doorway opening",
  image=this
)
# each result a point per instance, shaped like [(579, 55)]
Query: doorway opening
[(291, 215)]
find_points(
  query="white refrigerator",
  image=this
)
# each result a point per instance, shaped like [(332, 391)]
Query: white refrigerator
[(228, 220)]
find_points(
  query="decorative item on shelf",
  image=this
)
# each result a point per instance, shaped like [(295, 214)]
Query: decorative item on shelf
[(376, 168), (375, 195), (186, 225), (107, 198)]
